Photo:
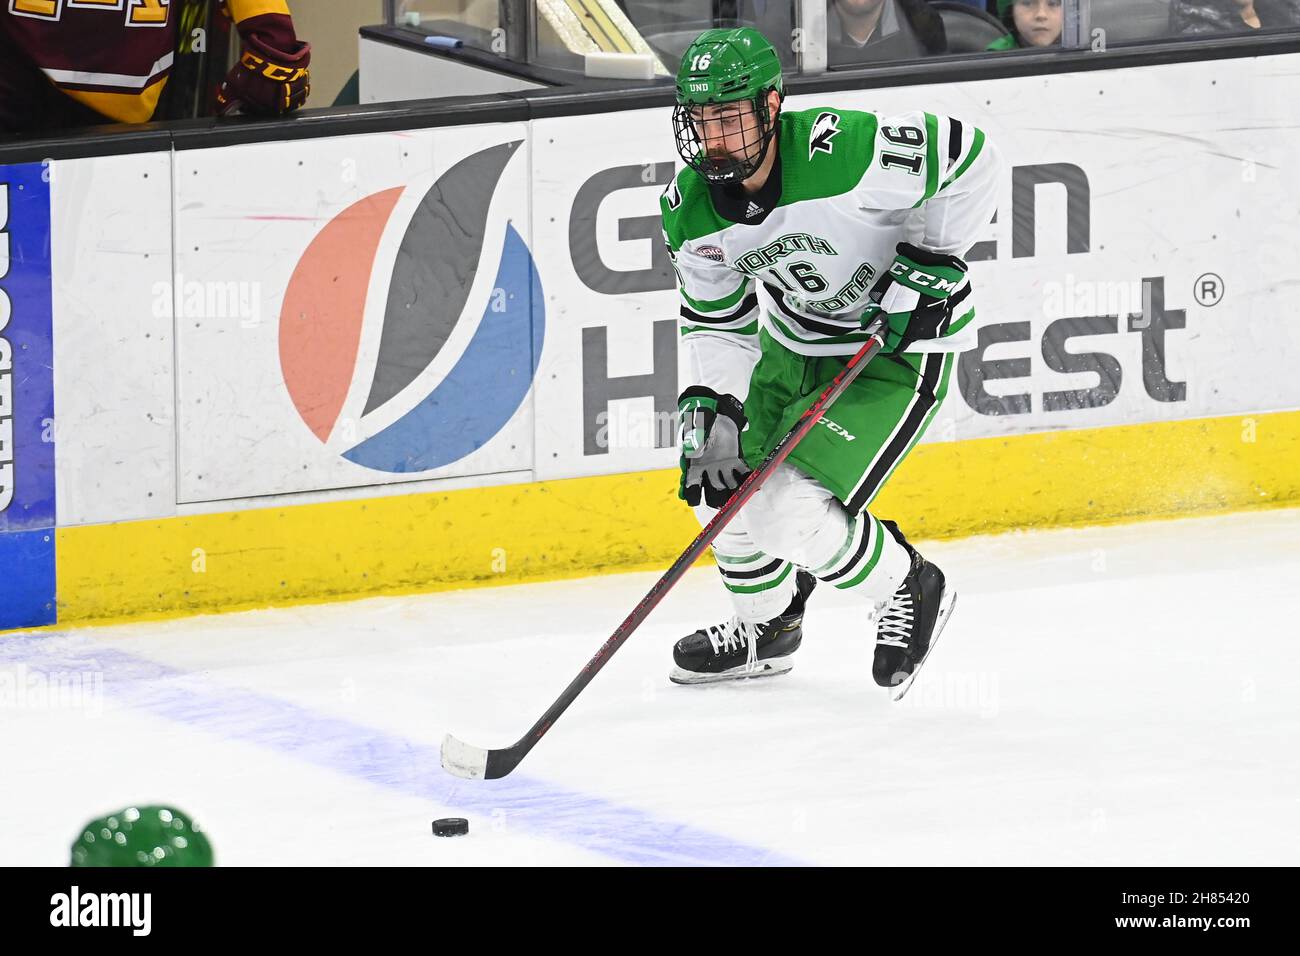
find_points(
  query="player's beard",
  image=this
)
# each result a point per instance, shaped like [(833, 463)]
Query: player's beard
[(722, 157)]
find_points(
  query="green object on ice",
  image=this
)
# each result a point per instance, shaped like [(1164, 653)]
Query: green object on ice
[(142, 836)]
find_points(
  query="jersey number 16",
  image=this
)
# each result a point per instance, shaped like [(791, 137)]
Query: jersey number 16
[(911, 137)]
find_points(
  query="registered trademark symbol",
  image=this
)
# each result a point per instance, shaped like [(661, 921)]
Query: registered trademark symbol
[(1208, 289)]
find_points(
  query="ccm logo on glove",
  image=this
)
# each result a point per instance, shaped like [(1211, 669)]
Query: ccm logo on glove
[(267, 81), (918, 294), (924, 279)]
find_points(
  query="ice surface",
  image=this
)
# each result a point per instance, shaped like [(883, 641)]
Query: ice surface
[(1123, 695)]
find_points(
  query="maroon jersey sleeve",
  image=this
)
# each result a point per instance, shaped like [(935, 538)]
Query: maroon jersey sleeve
[(112, 56)]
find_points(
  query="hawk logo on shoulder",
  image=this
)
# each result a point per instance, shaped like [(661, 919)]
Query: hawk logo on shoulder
[(673, 195), (825, 128)]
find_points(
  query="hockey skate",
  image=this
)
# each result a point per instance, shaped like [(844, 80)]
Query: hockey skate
[(737, 650), (909, 626)]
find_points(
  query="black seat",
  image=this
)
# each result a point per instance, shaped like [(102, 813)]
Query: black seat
[(969, 29), (670, 42), (671, 38)]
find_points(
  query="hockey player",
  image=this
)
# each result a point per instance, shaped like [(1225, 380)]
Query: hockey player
[(65, 65), (789, 231)]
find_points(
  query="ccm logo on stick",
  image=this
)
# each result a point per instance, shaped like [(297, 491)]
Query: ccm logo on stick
[(836, 428)]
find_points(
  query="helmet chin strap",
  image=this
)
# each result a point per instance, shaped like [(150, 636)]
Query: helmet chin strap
[(769, 134)]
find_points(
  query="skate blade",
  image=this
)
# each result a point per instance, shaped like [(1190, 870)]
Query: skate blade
[(767, 668), (946, 604)]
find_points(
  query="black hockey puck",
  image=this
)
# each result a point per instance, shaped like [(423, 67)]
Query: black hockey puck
[(451, 826)]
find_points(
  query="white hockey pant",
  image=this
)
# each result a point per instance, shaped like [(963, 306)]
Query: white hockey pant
[(794, 521)]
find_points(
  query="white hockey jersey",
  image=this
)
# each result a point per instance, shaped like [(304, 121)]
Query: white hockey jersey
[(797, 258)]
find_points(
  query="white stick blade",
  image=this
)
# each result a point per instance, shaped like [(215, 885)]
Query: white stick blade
[(461, 759)]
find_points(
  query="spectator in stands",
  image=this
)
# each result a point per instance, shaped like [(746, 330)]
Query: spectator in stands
[(860, 32), (1231, 16), (91, 64), (1033, 23)]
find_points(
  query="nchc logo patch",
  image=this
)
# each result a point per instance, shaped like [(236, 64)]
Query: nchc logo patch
[(428, 300)]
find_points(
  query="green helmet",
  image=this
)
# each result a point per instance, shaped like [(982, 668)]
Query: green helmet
[(142, 836), (726, 66)]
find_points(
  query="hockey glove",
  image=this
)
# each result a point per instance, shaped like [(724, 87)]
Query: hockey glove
[(266, 81), (918, 295), (711, 461)]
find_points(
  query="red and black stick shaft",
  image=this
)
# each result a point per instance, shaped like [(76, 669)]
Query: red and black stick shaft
[(501, 762)]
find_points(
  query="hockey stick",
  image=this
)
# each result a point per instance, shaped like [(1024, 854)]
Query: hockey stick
[(475, 763)]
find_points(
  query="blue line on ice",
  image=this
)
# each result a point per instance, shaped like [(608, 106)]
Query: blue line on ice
[(621, 832)]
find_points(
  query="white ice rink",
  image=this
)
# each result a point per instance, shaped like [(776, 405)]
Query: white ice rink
[(1125, 695)]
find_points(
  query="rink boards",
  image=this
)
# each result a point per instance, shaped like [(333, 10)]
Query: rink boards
[(438, 358)]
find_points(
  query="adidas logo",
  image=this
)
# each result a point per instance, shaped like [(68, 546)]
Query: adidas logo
[(754, 210)]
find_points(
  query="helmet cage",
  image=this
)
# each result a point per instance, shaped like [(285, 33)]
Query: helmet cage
[(693, 136)]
